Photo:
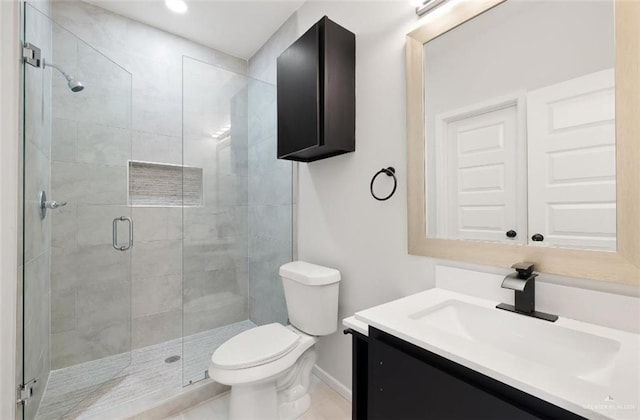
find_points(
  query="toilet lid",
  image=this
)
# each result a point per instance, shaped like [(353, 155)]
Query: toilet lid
[(254, 347)]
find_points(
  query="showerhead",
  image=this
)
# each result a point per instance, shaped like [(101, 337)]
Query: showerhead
[(74, 85)]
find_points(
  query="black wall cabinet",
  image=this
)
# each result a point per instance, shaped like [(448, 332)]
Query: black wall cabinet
[(316, 94), (393, 379)]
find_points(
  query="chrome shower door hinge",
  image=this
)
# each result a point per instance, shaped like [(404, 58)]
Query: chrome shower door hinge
[(31, 54), (25, 391)]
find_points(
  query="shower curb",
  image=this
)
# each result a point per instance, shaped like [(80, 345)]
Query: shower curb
[(165, 403)]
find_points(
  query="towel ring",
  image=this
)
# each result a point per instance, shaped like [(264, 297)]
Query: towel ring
[(390, 171)]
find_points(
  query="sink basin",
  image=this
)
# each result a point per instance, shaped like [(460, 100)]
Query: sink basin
[(553, 346)]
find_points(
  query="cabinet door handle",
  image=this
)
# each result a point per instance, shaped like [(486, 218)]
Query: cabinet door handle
[(511, 233), (537, 238)]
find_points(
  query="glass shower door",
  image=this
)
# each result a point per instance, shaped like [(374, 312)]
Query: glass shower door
[(215, 275), (238, 235), (77, 227)]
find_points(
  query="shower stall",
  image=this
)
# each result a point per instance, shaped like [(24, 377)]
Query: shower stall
[(144, 247)]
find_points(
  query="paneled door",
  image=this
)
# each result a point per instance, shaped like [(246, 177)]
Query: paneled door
[(478, 199), (572, 166)]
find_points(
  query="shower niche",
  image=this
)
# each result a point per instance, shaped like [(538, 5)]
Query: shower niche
[(164, 185)]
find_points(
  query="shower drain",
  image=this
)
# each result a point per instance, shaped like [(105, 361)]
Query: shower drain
[(172, 359)]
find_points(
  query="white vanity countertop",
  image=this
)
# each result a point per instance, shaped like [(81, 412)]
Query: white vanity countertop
[(610, 391)]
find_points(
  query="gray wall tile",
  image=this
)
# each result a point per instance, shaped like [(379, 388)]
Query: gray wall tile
[(94, 224), (64, 140), (100, 305), (63, 310), (151, 147), (75, 266), (213, 311), (156, 328), (157, 258), (36, 324), (74, 347), (174, 223), (270, 186), (152, 223), (96, 104), (64, 226), (103, 145), (152, 295), (89, 183), (37, 232), (266, 295)]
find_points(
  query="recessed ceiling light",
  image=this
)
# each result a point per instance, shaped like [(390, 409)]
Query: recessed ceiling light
[(178, 6)]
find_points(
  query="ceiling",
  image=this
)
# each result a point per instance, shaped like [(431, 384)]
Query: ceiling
[(237, 27)]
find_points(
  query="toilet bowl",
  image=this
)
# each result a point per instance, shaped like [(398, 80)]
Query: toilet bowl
[(269, 367), (269, 383)]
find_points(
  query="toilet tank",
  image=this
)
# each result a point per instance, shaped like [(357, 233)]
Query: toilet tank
[(311, 292)]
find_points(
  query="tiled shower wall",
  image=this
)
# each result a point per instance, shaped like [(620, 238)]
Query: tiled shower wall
[(215, 236), (91, 144), (37, 232), (95, 151), (270, 187), (270, 235)]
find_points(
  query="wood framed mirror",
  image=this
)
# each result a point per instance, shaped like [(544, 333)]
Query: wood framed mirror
[(612, 252)]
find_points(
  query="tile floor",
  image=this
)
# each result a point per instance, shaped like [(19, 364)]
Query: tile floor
[(326, 404), (89, 389)]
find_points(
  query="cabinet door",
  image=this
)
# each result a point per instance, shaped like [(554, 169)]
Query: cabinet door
[(404, 387), (299, 94), (572, 163)]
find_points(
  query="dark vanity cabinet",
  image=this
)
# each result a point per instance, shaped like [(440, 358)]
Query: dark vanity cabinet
[(316, 94), (394, 379)]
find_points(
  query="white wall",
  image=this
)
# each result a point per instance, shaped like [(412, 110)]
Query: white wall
[(340, 224)]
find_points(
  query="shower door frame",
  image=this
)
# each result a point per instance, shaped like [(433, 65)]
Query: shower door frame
[(10, 138)]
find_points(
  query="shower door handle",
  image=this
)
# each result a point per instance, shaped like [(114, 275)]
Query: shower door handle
[(115, 233)]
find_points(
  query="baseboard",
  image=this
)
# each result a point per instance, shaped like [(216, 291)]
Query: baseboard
[(332, 382)]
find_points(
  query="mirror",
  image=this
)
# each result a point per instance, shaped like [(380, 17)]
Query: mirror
[(540, 122), (520, 126)]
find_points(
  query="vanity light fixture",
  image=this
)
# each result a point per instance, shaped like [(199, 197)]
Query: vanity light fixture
[(177, 6), (424, 6)]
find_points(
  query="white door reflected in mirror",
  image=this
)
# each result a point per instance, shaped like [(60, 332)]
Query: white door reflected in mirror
[(520, 126)]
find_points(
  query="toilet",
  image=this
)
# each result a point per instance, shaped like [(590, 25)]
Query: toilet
[(269, 367)]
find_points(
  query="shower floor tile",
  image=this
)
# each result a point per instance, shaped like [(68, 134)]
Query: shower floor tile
[(89, 389)]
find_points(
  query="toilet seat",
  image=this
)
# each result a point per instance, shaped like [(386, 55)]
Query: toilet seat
[(255, 347), (266, 370)]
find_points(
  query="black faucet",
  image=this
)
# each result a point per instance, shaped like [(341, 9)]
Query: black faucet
[(523, 283)]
